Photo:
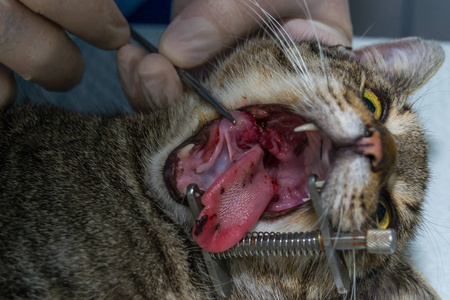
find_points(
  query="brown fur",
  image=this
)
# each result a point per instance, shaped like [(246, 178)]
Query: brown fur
[(84, 211)]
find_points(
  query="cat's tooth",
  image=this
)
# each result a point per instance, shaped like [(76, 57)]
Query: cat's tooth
[(320, 184), (184, 152), (306, 127)]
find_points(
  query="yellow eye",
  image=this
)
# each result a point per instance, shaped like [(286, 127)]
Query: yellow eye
[(373, 103), (383, 213)]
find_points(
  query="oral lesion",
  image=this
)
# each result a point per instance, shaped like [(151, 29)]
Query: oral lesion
[(255, 169), (289, 154)]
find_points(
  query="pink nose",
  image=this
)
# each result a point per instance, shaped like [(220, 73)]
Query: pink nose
[(378, 145)]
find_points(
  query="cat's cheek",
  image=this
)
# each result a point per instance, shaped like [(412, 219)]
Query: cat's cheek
[(351, 191)]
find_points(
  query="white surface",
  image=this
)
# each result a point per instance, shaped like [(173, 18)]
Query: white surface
[(430, 251)]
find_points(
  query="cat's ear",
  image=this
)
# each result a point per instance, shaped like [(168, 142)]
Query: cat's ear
[(407, 63)]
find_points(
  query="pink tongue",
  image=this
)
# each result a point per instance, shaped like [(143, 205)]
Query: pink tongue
[(234, 202)]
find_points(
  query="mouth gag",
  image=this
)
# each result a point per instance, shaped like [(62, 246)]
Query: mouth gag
[(186, 78), (375, 241)]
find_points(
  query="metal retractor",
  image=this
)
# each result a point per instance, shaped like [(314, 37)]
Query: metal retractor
[(375, 241)]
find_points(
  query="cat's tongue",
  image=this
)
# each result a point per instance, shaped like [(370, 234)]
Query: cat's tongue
[(234, 202)]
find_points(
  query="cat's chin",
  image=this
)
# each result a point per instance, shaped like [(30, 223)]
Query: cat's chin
[(256, 169)]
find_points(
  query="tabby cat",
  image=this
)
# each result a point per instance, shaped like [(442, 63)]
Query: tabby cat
[(94, 206)]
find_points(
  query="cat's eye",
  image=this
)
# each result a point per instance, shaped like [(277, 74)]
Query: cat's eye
[(373, 103), (383, 213)]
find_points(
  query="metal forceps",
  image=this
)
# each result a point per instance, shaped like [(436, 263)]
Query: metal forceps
[(375, 241), (186, 78)]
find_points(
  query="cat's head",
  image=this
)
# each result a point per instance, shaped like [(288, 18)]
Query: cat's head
[(363, 139)]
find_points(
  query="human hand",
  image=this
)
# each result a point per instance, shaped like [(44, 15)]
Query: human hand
[(202, 29), (34, 45)]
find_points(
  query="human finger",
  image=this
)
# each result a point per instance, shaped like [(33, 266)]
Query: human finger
[(304, 30), (128, 58), (177, 7), (37, 49), (8, 87), (204, 28), (159, 80), (99, 23), (330, 22), (149, 81)]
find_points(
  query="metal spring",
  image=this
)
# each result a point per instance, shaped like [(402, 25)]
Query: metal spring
[(273, 243)]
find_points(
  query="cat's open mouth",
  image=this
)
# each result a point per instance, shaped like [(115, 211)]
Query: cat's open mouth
[(256, 168)]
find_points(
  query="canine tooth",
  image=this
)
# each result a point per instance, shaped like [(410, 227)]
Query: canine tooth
[(306, 127), (184, 152), (306, 199)]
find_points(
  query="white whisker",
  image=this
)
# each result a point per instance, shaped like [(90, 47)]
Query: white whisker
[(282, 39), (353, 275), (348, 60), (322, 57)]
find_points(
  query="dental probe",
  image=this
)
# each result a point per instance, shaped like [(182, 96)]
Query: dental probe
[(186, 78), (375, 241)]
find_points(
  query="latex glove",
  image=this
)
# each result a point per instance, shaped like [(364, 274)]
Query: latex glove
[(34, 45), (203, 28)]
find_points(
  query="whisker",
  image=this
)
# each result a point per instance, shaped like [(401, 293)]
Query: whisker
[(372, 223), (329, 291), (321, 53), (338, 232), (297, 87), (354, 275), (283, 40), (348, 60)]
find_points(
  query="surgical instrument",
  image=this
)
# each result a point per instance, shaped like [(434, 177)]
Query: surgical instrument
[(185, 77), (375, 241)]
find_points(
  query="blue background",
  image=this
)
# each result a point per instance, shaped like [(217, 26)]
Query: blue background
[(142, 11)]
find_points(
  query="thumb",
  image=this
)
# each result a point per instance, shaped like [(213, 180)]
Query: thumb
[(204, 28)]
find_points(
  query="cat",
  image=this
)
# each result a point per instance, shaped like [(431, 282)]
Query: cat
[(94, 206)]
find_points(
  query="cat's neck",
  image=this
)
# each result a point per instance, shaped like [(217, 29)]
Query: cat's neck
[(281, 277)]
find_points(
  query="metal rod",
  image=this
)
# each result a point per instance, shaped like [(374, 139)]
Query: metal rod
[(186, 78), (379, 241), (217, 269), (335, 258)]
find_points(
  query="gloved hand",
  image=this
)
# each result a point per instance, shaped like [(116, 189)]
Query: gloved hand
[(203, 28), (34, 45)]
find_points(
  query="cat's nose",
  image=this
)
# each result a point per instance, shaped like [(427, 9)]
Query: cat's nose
[(379, 146)]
